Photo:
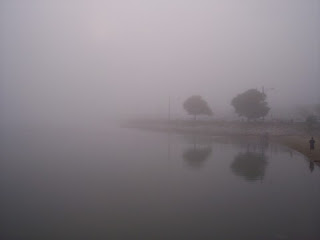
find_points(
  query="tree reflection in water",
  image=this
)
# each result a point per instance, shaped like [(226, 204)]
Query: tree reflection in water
[(196, 155), (250, 165)]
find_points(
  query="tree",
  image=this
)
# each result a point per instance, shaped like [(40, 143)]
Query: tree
[(251, 104), (195, 105)]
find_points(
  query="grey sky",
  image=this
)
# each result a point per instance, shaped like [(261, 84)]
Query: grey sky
[(80, 59)]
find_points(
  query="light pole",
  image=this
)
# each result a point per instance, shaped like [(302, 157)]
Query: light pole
[(169, 109)]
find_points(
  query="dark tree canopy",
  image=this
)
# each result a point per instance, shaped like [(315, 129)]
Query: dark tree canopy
[(195, 105), (251, 104)]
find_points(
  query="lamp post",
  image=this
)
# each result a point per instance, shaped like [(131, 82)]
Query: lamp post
[(169, 109)]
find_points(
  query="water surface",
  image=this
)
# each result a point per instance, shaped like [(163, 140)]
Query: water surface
[(118, 183)]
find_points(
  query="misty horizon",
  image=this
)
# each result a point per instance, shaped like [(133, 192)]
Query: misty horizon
[(159, 119), (69, 60)]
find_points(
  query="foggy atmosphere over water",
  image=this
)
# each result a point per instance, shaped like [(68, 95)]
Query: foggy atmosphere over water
[(88, 61), (159, 119)]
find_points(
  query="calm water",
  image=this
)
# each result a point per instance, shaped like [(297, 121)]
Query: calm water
[(130, 184)]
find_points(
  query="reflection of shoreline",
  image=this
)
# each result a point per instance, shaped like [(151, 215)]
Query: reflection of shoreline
[(291, 135), (301, 144), (297, 143)]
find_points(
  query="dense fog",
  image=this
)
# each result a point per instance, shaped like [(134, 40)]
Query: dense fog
[(67, 62), (159, 119)]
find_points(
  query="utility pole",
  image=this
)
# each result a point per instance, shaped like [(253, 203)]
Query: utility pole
[(169, 109)]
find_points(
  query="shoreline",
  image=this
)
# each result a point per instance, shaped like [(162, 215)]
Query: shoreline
[(293, 136), (300, 144)]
